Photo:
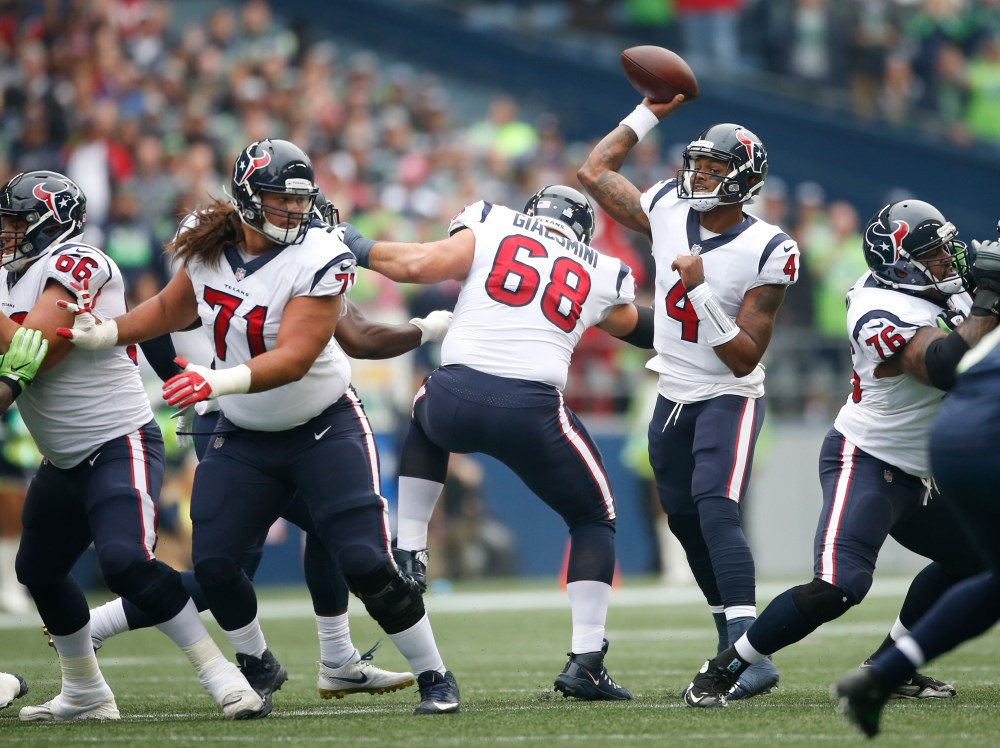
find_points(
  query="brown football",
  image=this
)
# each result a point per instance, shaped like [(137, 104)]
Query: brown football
[(659, 74)]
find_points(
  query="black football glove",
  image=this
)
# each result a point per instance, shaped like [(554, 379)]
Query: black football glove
[(986, 271), (950, 319)]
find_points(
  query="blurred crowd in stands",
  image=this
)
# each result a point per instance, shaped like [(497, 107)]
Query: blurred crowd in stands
[(932, 65), (145, 110)]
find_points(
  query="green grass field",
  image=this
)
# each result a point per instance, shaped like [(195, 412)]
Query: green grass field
[(506, 642)]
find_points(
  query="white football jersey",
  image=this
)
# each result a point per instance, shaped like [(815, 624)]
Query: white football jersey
[(529, 296), (890, 417), (241, 302), (751, 254), (90, 397)]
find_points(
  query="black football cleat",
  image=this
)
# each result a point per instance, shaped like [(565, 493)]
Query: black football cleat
[(861, 697), (264, 674), (586, 678), (438, 693), (710, 687), (920, 686)]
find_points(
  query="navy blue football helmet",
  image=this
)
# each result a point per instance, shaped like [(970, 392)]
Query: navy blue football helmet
[(903, 246), (276, 166), (568, 207), (325, 211), (52, 208), (737, 146)]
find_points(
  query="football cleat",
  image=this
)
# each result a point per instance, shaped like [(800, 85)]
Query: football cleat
[(413, 564), (359, 676), (710, 687), (232, 692), (438, 693), (12, 686), (264, 674), (861, 697), (919, 686), (586, 678), (757, 680), (100, 705)]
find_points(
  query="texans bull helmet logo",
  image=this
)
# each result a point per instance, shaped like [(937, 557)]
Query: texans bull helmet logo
[(58, 198), (249, 163), (886, 241), (755, 154)]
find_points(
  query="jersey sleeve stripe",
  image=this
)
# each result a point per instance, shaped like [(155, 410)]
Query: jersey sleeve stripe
[(623, 272), (667, 186), (335, 262), (879, 314), (776, 241)]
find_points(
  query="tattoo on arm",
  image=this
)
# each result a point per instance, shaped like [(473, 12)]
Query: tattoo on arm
[(758, 313), (616, 194)]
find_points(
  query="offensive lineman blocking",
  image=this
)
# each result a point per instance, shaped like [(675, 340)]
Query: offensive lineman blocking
[(531, 285)]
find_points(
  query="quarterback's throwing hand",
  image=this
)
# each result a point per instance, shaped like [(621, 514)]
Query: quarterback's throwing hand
[(88, 331)]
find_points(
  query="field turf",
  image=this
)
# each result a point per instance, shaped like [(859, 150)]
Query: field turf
[(506, 642)]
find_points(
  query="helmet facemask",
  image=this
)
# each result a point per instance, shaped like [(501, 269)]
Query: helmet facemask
[(298, 220), (954, 261)]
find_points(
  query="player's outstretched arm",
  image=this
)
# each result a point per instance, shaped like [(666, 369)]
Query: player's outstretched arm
[(363, 338), (933, 353), (414, 262), (173, 308)]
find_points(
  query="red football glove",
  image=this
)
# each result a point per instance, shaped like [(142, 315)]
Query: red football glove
[(197, 383), (188, 387)]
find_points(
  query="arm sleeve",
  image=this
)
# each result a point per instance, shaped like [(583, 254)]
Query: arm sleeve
[(160, 353)]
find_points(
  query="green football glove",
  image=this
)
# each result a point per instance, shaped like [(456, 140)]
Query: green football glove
[(20, 364)]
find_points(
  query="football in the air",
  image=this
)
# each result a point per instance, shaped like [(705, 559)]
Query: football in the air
[(659, 74)]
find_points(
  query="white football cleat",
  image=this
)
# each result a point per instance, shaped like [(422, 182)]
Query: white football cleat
[(231, 691), (12, 686), (100, 705), (359, 676)]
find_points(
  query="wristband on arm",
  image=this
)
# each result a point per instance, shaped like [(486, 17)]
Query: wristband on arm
[(640, 120), (721, 329)]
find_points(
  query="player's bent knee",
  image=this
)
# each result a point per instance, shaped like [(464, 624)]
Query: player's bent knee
[(216, 572), (820, 601), (117, 559), (392, 600), (151, 585)]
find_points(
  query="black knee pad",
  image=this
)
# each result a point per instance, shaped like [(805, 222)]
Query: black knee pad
[(217, 571), (392, 600), (153, 587), (118, 559), (820, 601)]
